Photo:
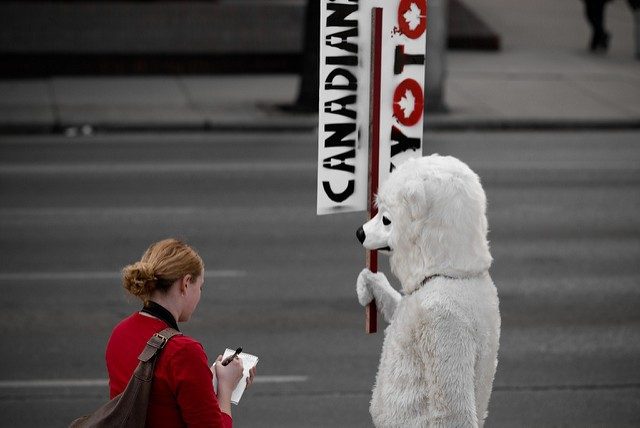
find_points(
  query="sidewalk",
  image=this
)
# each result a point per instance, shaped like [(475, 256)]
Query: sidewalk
[(543, 78)]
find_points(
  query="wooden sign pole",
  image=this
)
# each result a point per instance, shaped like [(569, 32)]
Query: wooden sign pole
[(371, 322)]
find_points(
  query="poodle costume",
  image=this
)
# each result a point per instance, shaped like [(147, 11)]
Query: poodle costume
[(440, 349)]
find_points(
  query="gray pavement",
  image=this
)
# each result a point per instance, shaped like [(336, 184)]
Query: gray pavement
[(543, 78), (564, 234), (562, 209)]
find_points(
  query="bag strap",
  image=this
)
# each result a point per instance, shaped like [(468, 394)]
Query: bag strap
[(156, 343)]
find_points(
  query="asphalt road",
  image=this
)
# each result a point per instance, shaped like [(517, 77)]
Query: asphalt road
[(565, 236)]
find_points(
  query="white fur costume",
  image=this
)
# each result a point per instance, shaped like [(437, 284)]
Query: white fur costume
[(440, 350)]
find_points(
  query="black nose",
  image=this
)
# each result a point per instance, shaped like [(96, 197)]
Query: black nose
[(360, 234)]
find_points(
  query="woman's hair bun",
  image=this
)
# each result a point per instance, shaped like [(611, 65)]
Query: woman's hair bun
[(139, 279), (161, 265)]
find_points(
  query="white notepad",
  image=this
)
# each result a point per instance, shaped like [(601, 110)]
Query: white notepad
[(248, 362)]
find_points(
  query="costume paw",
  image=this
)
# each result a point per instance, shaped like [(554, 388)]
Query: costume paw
[(362, 287), (367, 282)]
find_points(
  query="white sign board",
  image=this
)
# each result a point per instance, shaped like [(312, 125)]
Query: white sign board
[(402, 94), (342, 155), (343, 132)]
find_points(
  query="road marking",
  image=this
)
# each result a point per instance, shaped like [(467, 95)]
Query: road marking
[(280, 379), (53, 383), (92, 383), (111, 211), (150, 168), (88, 275), (297, 166), (108, 212)]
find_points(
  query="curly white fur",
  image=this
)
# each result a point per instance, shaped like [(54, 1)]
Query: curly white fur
[(376, 286), (440, 350)]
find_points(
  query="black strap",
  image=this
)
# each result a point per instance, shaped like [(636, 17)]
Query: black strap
[(159, 311)]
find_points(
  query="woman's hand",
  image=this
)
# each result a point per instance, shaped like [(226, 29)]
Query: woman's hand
[(228, 376), (252, 374), (213, 369)]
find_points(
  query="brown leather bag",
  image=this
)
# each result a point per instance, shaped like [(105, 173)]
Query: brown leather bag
[(129, 409)]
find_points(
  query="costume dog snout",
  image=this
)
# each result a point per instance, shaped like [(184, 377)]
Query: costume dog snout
[(360, 234)]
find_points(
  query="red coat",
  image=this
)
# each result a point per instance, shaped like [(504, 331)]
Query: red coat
[(182, 393)]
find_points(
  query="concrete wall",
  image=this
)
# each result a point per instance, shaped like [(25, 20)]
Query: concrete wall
[(121, 27), (249, 27)]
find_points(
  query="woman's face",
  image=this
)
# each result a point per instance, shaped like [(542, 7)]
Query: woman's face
[(192, 297)]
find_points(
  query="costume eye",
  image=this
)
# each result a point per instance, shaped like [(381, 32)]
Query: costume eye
[(386, 221)]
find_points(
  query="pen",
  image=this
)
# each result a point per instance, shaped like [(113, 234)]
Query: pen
[(231, 357)]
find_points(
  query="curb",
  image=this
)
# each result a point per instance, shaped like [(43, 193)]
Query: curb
[(527, 124)]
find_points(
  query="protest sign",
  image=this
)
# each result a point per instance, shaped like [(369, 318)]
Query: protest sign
[(372, 59), (345, 92), (402, 90), (342, 157)]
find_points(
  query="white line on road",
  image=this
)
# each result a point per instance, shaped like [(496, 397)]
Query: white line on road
[(69, 276), (147, 168), (83, 383), (108, 212), (280, 379), (509, 165), (53, 383)]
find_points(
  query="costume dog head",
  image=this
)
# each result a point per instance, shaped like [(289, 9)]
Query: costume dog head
[(431, 220)]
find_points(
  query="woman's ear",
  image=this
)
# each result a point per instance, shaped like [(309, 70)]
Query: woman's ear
[(185, 282)]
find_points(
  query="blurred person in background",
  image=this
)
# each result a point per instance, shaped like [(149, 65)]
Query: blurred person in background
[(600, 37)]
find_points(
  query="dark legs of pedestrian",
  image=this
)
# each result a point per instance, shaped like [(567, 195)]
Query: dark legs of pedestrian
[(594, 9), (635, 10)]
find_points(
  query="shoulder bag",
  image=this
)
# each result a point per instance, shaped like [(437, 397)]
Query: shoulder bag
[(129, 409)]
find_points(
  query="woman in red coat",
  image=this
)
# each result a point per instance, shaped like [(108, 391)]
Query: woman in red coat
[(169, 280)]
